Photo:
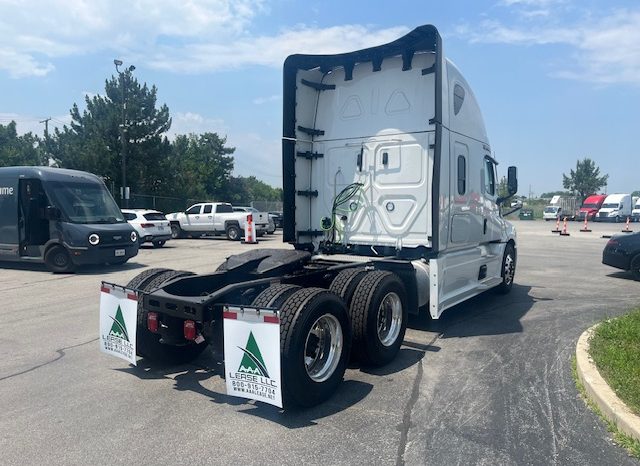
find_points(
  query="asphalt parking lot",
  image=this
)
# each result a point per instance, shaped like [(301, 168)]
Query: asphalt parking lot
[(489, 383)]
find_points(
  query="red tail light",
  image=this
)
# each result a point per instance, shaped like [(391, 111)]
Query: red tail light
[(147, 225), (189, 330), (152, 322), (612, 243)]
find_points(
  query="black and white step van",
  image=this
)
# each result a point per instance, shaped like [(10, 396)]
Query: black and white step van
[(64, 218)]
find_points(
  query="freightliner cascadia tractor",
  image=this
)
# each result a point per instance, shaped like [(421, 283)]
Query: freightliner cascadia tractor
[(391, 207)]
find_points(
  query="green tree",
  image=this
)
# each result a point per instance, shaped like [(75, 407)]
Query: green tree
[(244, 190), (550, 194), (93, 140), (20, 150), (200, 167), (503, 189), (585, 179)]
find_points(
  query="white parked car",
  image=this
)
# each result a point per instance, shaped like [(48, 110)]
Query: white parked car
[(151, 225)]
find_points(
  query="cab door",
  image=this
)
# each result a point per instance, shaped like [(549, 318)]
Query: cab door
[(192, 218), (33, 226), (9, 231), (491, 221)]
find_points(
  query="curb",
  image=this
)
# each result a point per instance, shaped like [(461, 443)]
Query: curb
[(600, 393)]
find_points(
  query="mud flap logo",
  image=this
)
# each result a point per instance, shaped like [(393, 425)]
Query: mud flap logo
[(118, 320), (252, 370), (252, 362), (119, 329)]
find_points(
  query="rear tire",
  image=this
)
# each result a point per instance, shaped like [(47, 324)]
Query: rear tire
[(274, 296), (315, 340), (176, 231), (378, 317), (344, 284), (148, 344), (635, 267), (233, 233), (57, 260), (139, 280), (508, 270), (159, 243)]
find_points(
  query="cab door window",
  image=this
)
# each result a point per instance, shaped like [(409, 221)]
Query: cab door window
[(489, 177), (194, 210)]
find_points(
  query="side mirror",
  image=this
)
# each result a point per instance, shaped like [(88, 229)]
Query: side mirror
[(512, 184), (512, 180), (52, 213)]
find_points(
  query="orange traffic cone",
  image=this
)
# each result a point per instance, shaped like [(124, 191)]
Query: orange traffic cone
[(585, 228), (557, 230), (564, 228), (250, 231), (626, 228)]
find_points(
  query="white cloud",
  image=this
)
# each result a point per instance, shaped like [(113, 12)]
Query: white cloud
[(605, 50), (190, 36), (35, 32), (266, 100), (530, 3), (189, 122), (254, 155), (20, 65), (270, 50)]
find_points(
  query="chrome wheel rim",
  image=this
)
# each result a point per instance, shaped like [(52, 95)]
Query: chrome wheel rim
[(389, 319), (509, 269), (323, 348)]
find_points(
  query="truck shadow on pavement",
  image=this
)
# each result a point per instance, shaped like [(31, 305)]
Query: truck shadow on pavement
[(486, 314), (84, 270), (624, 275), (192, 377)]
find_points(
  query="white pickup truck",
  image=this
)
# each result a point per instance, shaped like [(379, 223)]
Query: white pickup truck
[(208, 218), (260, 219)]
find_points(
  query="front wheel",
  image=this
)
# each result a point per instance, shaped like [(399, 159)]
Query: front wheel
[(57, 260), (508, 270), (315, 340)]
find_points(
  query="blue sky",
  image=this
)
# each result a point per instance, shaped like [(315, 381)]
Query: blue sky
[(557, 80)]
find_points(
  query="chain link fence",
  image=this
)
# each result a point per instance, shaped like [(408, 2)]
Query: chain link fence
[(267, 206), (169, 204)]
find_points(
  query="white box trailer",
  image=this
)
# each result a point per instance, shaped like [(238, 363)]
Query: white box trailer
[(391, 204)]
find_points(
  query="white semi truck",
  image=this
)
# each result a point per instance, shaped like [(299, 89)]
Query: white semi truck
[(390, 203)]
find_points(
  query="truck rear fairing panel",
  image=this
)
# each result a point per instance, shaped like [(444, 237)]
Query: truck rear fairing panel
[(368, 118)]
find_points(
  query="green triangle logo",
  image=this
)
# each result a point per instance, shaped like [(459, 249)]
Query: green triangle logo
[(119, 329), (252, 362)]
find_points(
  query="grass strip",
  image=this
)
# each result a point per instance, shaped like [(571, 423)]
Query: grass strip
[(629, 443), (615, 350)]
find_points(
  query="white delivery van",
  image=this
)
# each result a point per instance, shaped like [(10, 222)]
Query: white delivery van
[(635, 213), (615, 208), (551, 212)]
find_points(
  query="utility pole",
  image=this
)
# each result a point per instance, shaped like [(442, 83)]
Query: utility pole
[(46, 138), (123, 83)]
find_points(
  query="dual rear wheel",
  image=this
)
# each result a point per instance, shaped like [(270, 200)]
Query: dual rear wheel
[(363, 311), (148, 344)]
